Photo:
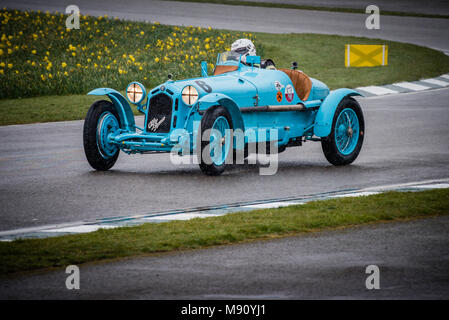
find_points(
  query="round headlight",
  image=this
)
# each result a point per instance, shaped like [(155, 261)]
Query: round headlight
[(135, 92), (189, 95)]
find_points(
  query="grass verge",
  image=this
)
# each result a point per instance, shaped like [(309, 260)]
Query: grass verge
[(23, 255), (46, 109), (315, 8)]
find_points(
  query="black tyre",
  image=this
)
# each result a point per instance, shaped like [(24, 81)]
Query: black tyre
[(217, 118), (345, 141), (101, 120)]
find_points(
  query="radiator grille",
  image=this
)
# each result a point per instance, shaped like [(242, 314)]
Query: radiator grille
[(159, 114)]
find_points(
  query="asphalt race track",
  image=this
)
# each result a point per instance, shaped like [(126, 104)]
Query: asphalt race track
[(428, 7), (412, 259), (46, 179)]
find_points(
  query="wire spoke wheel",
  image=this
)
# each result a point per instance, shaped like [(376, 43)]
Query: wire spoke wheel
[(101, 121), (347, 131), (216, 136), (220, 140), (107, 124), (345, 141)]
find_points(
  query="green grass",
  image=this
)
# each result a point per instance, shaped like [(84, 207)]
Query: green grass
[(46, 109), (322, 57), (23, 255), (50, 69), (39, 56), (315, 8)]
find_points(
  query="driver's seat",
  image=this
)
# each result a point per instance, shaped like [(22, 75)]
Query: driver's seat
[(301, 82)]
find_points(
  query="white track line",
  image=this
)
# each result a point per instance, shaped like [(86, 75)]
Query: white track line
[(436, 82), (406, 184), (81, 229), (272, 205), (433, 186), (411, 86), (180, 216), (355, 194), (378, 91)]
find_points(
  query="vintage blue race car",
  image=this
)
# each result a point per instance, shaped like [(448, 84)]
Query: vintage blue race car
[(221, 116)]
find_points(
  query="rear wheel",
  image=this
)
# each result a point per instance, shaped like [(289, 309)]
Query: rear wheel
[(345, 141), (101, 120), (216, 126)]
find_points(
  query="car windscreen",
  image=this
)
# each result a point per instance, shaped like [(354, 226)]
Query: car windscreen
[(227, 57)]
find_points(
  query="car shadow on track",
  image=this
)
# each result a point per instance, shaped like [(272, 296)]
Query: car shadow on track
[(288, 168)]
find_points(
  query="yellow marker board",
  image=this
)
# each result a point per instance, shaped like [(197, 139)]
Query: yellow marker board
[(362, 55)]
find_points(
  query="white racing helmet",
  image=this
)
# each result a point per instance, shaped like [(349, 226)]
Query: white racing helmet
[(245, 47)]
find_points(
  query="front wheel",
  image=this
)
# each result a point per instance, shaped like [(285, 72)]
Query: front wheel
[(216, 136), (345, 141), (101, 120)]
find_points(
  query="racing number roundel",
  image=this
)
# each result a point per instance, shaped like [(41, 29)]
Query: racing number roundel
[(279, 96), (289, 93), (203, 85)]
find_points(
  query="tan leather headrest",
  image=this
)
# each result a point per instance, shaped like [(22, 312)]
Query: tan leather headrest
[(301, 82)]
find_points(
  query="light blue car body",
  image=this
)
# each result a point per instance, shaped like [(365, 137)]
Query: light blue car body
[(238, 91)]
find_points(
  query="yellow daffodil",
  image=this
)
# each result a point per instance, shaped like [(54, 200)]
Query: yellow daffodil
[(64, 64)]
